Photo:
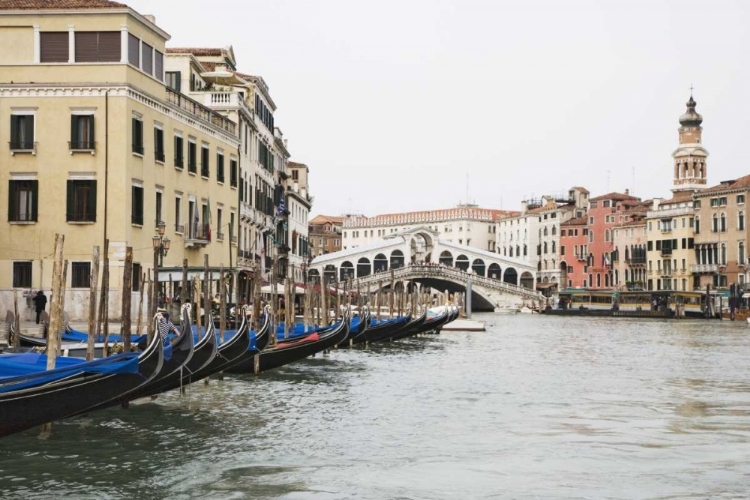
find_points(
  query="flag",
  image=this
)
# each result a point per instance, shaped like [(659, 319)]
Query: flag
[(207, 222), (281, 207), (196, 222)]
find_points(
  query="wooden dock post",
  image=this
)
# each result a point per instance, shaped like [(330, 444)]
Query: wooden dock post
[(391, 297), (16, 323), (104, 292), (53, 334), (197, 298), (142, 283), (377, 301), (207, 302), (127, 292), (184, 292), (93, 281), (222, 303), (256, 303)]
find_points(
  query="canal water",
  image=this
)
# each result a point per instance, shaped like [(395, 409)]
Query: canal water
[(536, 407)]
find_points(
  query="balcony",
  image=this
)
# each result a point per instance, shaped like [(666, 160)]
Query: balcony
[(178, 162), (635, 262), (197, 237), (22, 147), (82, 147), (219, 236), (704, 268), (200, 111), (179, 228), (665, 273), (233, 240), (159, 156), (666, 251)]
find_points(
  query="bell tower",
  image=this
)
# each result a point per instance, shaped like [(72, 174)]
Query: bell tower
[(690, 157)]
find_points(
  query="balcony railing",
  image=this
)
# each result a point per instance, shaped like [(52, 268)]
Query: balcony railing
[(159, 156), (704, 268), (200, 111), (179, 228), (233, 239), (138, 149), (666, 251), (81, 145), (197, 236), (178, 161), (219, 235), (22, 147)]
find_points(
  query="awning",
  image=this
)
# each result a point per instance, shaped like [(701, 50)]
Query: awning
[(544, 286), (280, 289), (746, 295)]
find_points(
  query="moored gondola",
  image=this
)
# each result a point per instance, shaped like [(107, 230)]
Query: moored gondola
[(246, 361), (428, 324), (358, 329), (410, 328), (32, 406), (387, 329)]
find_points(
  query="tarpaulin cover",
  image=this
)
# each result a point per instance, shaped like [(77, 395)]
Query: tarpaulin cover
[(76, 336)]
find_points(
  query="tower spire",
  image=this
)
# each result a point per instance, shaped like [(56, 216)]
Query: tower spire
[(690, 156)]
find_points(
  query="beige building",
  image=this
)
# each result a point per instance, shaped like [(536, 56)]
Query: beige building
[(721, 234), (99, 147), (325, 234), (298, 204), (630, 239)]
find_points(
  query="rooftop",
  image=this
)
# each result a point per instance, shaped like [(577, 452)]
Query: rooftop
[(483, 214), (198, 51), (679, 197), (741, 183), (578, 221), (614, 196), (59, 4), (323, 219)]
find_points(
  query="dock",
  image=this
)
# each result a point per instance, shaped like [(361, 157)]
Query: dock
[(464, 325)]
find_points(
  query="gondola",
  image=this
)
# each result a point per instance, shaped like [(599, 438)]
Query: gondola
[(411, 328), (386, 329), (182, 348), (429, 324), (286, 352), (27, 408), (245, 363), (358, 330)]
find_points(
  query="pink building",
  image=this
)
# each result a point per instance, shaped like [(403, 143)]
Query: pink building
[(574, 238)]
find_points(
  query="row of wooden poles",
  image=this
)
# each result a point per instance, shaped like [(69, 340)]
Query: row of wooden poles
[(316, 307)]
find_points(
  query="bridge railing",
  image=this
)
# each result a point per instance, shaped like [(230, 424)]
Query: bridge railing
[(440, 270)]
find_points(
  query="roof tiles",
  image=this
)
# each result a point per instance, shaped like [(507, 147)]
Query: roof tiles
[(59, 4)]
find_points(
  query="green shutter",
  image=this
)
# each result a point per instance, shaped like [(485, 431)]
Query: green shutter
[(69, 216), (14, 129), (11, 201), (29, 129), (134, 133), (178, 81), (73, 131), (35, 201), (92, 137), (92, 201)]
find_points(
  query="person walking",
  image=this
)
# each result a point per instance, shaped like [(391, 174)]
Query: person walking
[(40, 303)]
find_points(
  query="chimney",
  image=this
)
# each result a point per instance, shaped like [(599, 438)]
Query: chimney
[(627, 191), (150, 17)]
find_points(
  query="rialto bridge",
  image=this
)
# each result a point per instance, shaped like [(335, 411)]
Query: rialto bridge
[(419, 256)]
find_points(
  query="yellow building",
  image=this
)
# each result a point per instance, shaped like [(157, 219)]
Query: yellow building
[(97, 147)]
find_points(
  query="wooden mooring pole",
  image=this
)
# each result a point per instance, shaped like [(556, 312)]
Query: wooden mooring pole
[(127, 293)]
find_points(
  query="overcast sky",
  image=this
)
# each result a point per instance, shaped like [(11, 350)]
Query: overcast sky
[(392, 103)]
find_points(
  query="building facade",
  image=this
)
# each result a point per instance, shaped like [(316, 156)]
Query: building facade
[(573, 253), (106, 160), (299, 203), (629, 260), (325, 234), (467, 225)]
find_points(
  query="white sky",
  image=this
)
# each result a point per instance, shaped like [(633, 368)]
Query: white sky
[(391, 103)]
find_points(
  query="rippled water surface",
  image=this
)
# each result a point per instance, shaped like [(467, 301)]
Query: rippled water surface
[(536, 407)]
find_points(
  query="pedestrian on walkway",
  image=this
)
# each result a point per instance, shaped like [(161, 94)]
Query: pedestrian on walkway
[(40, 303)]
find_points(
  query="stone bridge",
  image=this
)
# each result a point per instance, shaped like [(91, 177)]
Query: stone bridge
[(418, 255)]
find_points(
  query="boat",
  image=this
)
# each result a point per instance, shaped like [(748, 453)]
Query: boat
[(412, 328), (526, 310), (357, 328), (634, 304), (507, 310), (385, 329), (286, 352), (24, 406), (248, 361)]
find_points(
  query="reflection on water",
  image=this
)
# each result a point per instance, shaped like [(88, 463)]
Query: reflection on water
[(536, 407)]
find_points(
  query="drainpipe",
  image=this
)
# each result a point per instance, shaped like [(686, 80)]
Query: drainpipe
[(106, 158)]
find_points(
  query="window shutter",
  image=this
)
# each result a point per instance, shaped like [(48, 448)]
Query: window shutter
[(159, 65), (54, 46), (69, 215), (73, 131), (134, 50), (86, 46), (35, 201), (91, 131), (134, 132), (109, 47), (156, 140), (92, 201), (148, 57), (11, 201), (178, 81), (134, 201), (14, 129), (29, 131)]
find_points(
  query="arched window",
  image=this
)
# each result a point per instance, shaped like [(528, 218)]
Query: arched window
[(715, 224), (545, 247), (598, 280), (723, 222), (626, 275), (724, 254), (741, 253), (511, 252), (741, 220), (518, 251), (525, 250), (554, 247), (697, 224), (554, 230), (627, 255), (545, 231)]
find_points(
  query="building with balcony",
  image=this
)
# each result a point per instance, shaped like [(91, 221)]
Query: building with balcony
[(100, 146), (574, 253), (629, 259), (721, 234), (299, 202), (325, 234), (467, 225)]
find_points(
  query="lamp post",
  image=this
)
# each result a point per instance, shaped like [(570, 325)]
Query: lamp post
[(161, 247)]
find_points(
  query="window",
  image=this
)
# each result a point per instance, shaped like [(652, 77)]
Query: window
[(715, 224), (178, 227), (136, 211), (178, 152), (741, 253), (231, 225), (137, 135), (135, 284), (591, 236), (714, 202), (23, 201), (158, 65), (295, 175), (593, 204), (159, 144), (606, 203), (81, 132), (97, 46), (740, 199), (54, 47), (147, 63), (204, 162), (81, 275), (192, 157), (134, 50), (22, 274), (220, 167), (81, 205), (220, 233), (697, 225), (173, 80), (22, 132), (159, 196), (741, 220), (233, 172), (723, 223)]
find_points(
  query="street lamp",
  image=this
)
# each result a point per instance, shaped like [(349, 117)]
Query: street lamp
[(161, 247)]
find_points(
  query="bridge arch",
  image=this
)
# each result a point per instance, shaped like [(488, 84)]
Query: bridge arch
[(397, 259), (329, 273), (380, 263), (527, 280), (313, 275), (346, 270), (478, 267), (462, 262), (364, 268), (446, 258), (510, 276), (494, 271)]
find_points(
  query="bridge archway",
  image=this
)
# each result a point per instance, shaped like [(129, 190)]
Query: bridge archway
[(563, 274), (446, 258), (494, 272), (313, 275), (346, 270), (462, 262), (421, 247), (527, 280), (510, 276), (397, 259), (363, 267), (478, 267), (329, 273), (380, 263)]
